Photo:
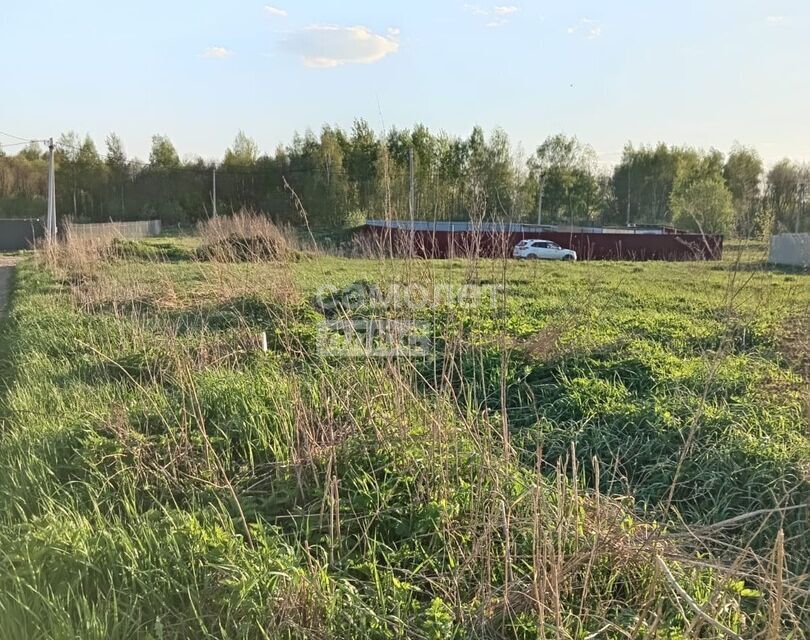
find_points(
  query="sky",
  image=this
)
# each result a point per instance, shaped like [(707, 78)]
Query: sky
[(705, 73)]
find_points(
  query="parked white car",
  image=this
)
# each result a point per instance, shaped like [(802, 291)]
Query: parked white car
[(542, 250)]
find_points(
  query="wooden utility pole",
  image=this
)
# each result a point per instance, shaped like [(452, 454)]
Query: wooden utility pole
[(214, 192), (628, 194)]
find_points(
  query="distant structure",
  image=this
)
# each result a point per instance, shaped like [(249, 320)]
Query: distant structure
[(497, 239), (111, 230), (17, 234), (790, 249)]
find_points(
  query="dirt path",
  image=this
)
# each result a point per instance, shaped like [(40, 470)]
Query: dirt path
[(6, 272)]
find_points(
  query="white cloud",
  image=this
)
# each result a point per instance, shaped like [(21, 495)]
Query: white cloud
[(497, 15), (275, 11), (476, 10), (217, 52), (329, 46), (775, 19), (591, 29)]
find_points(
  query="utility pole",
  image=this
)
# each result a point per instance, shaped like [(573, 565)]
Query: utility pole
[(628, 194), (50, 221), (800, 205), (214, 192), (412, 189), (541, 185)]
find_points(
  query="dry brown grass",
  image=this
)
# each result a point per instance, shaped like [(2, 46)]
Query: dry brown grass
[(76, 256), (246, 236)]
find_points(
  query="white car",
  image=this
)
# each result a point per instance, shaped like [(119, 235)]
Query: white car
[(542, 250)]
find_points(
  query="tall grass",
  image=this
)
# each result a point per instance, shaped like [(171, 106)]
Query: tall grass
[(245, 236), (593, 453)]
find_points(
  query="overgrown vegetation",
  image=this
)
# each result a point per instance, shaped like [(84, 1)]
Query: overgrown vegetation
[(348, 176), (244, 236), (604, 450)]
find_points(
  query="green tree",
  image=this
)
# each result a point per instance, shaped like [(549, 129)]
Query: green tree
[(477, 156), (67, 147), (500, 176), (703, 204), (361, 155), (454, 154), (23, 183), (743, 174), (243, 153), (116, 157), (643, 182), (564, 169), (67, 179), (332, 176), (118, 170), (32, 151), (163, 154), (90, 179), (788, 188)]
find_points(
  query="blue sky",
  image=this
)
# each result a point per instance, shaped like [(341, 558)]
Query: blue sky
[(705, 73)]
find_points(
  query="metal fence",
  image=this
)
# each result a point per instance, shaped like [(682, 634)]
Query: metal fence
[(499, 240), (106, 230), (19, 233), (790, 249)]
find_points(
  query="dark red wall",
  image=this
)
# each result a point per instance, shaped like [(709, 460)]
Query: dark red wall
[(589, 246)]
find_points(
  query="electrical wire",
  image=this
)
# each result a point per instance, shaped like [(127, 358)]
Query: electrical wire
[(222, 171), (11, 135), (206, 169)]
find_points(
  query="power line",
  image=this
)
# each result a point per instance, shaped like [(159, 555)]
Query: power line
[(222, 170), (11, 135)]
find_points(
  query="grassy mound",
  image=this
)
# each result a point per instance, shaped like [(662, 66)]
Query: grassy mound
[(244, 237)]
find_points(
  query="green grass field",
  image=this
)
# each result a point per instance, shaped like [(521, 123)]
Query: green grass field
[(598, 450)]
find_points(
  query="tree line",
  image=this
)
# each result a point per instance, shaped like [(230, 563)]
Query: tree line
[(342, 177)]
